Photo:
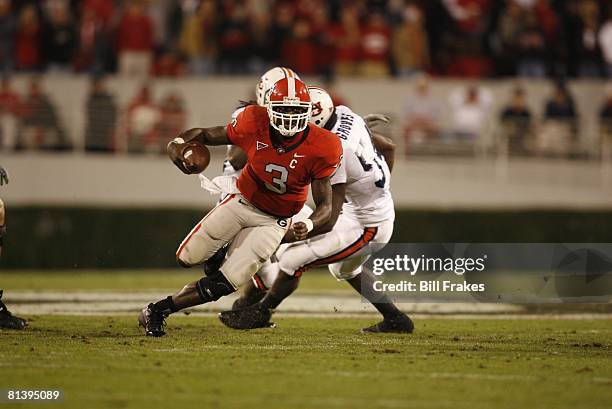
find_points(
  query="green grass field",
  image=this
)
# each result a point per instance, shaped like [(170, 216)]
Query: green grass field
[(307, 363), (317, 362)]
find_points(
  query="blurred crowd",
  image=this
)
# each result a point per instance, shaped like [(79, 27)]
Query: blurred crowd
[(144, 125), (515, 128), (457, 118), (459, 38)]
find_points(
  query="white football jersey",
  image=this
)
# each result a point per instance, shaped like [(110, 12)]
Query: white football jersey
[(363, 169)]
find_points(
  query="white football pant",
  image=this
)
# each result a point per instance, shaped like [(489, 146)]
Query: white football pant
[(254, 236)]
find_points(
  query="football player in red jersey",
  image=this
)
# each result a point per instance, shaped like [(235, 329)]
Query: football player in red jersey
[(286, 155)]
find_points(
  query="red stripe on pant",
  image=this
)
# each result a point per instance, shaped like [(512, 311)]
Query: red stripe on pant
[(368, 235), (197, 227), (259, 282)]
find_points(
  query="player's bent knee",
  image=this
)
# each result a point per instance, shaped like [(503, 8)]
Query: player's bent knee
[(182, 263), (185, 257), (211, 288)]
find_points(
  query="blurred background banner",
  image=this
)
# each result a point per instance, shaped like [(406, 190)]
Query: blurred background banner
[(501, 112)]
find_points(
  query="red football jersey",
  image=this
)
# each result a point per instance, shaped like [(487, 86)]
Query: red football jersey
[(278, 173)]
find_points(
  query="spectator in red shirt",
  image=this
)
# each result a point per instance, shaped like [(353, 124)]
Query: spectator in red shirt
[(469, 15), (322, 31), (95, 48), (27, 47), (135, 40), (347, 41), (469, 61), (89, 31), (300, 51), (376, 45), (168, 64), (103, 10), (10, 109)]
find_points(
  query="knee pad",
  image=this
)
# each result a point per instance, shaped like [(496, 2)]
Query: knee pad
[(213, 287)]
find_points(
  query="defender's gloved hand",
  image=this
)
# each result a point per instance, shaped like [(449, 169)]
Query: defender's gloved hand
[(376, 119)]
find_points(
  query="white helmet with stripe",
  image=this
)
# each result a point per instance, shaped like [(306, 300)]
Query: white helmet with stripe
[(322, 106), (268, 80)]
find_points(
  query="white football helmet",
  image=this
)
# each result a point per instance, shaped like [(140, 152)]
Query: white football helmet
[(268, 80), (322, 106)]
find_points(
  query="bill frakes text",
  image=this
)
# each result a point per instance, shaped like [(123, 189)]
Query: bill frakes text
[(428, 286)]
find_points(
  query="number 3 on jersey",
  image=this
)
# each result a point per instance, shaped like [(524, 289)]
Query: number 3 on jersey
[(280, 183)]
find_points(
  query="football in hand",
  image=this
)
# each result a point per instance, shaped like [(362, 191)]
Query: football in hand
[(196, 157)]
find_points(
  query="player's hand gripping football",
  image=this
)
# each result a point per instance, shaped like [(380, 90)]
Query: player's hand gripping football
[(190, 157), (175, 152)]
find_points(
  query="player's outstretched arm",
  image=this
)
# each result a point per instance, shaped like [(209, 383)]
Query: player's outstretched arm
[(216, 135), (386, 147), (322, 196)]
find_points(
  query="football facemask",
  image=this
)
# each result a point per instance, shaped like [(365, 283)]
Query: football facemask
[(289, 106)]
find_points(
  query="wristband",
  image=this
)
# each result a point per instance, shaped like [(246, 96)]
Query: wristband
[(309, 225)]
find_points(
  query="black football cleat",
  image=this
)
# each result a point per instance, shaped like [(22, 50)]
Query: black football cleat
[(8, 320), (401, 324), (251, 317), (153, 321)]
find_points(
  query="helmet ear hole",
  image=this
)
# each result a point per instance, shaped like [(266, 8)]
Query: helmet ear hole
[(322, 106)]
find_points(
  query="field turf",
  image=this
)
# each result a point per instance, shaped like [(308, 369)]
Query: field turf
[(313, 363)]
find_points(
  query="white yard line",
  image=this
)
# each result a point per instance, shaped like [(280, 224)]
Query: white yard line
[(303, 305)]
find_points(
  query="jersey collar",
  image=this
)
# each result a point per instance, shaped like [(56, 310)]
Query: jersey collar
[(281, 147), (331, 122)]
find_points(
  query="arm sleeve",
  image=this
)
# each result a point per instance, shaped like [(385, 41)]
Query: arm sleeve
[(240, 129), (329, 163)]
